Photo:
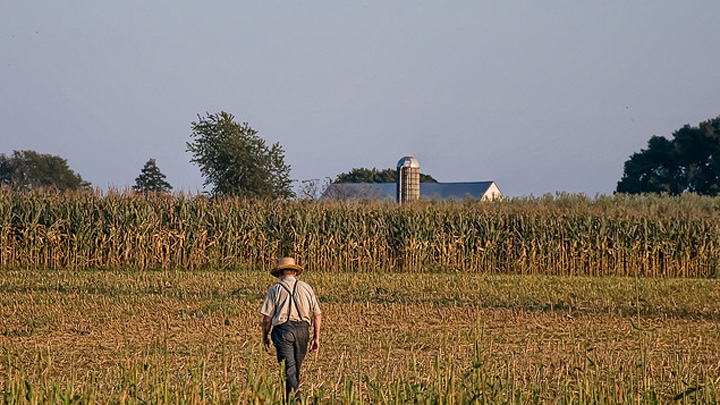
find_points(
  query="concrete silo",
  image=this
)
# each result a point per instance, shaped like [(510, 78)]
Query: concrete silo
[(408, 179)]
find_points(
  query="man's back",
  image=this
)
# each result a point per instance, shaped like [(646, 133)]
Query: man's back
[(282, 305)]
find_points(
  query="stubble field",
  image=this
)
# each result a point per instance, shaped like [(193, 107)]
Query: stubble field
[(125, 336)]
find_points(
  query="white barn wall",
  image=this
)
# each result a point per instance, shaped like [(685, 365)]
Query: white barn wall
[(492, 193)]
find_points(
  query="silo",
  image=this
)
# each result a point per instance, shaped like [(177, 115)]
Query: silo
[(408, 179)]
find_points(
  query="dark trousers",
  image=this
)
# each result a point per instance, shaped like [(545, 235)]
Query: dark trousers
[(291, 342)]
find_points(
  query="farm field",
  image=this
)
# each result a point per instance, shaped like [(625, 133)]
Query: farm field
[(566, 235), (130, 336)]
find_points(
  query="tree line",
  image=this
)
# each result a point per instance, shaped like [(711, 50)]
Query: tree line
[(235, 161), (27, 170)]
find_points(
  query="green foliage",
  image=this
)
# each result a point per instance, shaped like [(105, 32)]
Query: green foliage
[(374, 175), (235, 161), (690, 162), (28, 170), (151, 179)]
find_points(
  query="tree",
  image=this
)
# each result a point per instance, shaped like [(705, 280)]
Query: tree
[(151, 179), (375, 176), (28, 170), (690, 162), (234, 160), (313, 189)]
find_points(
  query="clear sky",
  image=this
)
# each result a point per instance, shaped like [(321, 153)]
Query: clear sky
[(540, 96)]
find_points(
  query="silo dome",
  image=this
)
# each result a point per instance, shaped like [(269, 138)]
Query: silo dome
[(408, 161)]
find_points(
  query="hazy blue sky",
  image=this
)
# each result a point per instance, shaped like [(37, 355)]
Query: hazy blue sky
[(540, 96)]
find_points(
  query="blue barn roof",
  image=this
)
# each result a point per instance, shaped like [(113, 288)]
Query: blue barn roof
[(384, 191)]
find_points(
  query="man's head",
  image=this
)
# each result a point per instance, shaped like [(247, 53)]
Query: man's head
[(289, 272), (286, 266)]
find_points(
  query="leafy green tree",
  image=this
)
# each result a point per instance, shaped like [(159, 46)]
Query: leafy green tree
[(690, 162), (151, 179), (234, 160), (28, 170), (374, 175)]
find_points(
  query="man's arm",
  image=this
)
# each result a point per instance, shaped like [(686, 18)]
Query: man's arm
[(315, 344), (266, 325)]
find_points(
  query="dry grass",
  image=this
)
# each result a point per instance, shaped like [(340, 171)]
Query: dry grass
[(193, 336)]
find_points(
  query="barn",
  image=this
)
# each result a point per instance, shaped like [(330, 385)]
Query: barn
[(479, 190), (408, 179)]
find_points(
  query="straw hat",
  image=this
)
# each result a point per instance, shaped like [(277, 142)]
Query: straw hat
[(285, 263)]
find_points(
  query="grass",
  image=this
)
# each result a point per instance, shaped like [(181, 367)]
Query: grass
[(124, 336)]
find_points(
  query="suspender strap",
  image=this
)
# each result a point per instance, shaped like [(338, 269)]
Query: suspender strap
[(292, 299)]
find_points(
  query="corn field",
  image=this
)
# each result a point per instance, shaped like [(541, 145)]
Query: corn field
[(551, 235)]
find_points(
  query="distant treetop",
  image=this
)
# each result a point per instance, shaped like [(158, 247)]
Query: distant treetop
[(234, 160), (151, 179), (375, 176), (690, 162), (27, 170)]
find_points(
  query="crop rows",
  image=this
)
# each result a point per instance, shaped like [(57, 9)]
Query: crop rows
[(561, 235), (121, 336)]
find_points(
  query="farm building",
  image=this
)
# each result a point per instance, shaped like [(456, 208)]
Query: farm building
[(407, 185), (480, 190)]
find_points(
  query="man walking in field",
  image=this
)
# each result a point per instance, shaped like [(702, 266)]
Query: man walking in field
[(289, 308)]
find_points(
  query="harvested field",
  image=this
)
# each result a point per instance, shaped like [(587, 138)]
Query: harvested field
[(124, 336)]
